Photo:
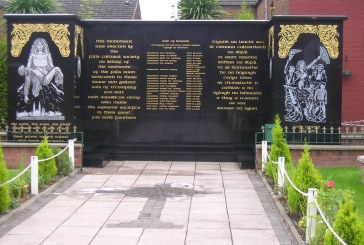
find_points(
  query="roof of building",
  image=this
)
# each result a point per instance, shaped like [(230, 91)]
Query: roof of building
[(102, 9), (237, 2)]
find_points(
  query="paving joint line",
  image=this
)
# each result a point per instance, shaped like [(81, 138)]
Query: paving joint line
[(226, 205), (286, 223), (25, 207)]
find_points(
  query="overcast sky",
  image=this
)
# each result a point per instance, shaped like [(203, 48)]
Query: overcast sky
[(157, 9)]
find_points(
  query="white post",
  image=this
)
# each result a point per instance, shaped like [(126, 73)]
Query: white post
[(281, 169), (71, 152), (34, 175), (311, 214), (264, 154)]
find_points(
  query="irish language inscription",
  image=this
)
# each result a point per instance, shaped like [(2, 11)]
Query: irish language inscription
[(136, 74)]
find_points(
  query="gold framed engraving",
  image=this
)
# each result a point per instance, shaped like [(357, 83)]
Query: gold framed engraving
[(289, 34), (21, 34)]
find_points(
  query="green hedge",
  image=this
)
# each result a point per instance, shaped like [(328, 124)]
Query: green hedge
[(279, 149), (4, 190), (47, 169), (306, 176)]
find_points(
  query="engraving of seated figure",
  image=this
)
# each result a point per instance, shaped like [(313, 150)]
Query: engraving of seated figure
[(43, 81)]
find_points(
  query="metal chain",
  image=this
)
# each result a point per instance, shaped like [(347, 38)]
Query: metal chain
[(295, 187), (328, 224), (59, 153), (39, 161), (316, 203), (11, 180), (267, 153)]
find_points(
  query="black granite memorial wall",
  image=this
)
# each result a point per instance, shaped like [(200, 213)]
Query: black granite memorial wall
[(178, 90), (307, 70), (41, 76)]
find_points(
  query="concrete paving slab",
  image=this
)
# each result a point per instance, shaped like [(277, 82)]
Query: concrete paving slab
[(149, 202), (22, 239), (254, 237)]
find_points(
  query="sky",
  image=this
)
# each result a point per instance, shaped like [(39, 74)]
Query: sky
[(157, 9)]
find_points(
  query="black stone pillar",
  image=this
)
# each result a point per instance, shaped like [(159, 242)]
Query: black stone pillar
[(44, 57)]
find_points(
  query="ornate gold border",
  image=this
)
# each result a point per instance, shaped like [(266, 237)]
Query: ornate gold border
[(328, 35), (79, 34), (22, 32)]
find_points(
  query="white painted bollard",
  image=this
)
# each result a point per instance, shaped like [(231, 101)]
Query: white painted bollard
[(71, 152), (281, 169), (264, 154), (311, 214), (34, 175)]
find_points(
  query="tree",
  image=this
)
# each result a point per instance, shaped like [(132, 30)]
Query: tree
[(200, 10), (306, 176), (32, 6), (279, 149), (246, 13), (47, 169)]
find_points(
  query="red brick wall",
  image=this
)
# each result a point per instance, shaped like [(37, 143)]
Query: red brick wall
[(325, 155), (233, 11), (353, 51), (260, 10), (20, 153), (2, 24), (280, 7)]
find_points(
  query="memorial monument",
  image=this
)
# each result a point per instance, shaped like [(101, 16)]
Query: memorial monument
[(178, 90)]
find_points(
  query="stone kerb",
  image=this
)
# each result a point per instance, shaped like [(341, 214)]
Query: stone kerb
[(361, 160)]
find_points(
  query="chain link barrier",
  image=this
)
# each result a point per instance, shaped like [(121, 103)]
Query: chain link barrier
[(14, 178), (340, 240), (29, 166), (328, 224)]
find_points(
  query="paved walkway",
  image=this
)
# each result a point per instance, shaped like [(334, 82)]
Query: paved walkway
[(130, 202)]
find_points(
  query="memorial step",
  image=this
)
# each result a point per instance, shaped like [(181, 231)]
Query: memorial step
[(158, 152)]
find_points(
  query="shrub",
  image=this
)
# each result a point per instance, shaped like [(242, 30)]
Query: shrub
[(347, 224), (63, 163), (245, 13), (32, 6), (329, 201), (4, 190), (20, 187), (279, 149), (47, 169), (306, 176)]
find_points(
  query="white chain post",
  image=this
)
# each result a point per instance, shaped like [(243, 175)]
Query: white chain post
[(264, 155), (71, 153), (311, 214), (281, 169), (34, 175)]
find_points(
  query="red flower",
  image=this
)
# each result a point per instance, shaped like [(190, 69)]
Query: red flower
[(331, 184)]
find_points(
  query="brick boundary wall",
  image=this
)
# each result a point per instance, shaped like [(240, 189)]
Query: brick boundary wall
[(323, 155), (20, 153)]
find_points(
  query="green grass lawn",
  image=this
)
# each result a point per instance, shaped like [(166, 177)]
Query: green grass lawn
[(13, 173), (347, 178)]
